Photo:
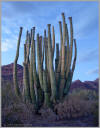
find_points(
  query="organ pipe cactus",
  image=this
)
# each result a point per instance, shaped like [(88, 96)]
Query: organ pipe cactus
[(42, 83)]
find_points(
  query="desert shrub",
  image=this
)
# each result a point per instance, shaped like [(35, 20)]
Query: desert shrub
[(77, 104), (96, 113), (18, 114), (85, 94), (8, 95), (14, 111)]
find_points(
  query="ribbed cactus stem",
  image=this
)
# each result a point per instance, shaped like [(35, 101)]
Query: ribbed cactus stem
[(63, 47), (18, 44), (26, 72), (28, 49), (71, 46), (57, 56), (23, 71), (70, 74), (53, 41), (43, 53), (26, 42), (52, 75), (32, 90), (38, 90), (57, 51), (71, 40), (62, 82), (24, 52), (61, 43), (60, 56), (45, 48), (68, 83), (39, 63), (40, 46), (67, 57), (74, 61), (46, 91), (17, 91), (26, 83)]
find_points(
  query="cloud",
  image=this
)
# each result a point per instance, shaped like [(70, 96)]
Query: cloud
[(89, 56), (94, 71), (39, 14), (8, 44), (5, 46)]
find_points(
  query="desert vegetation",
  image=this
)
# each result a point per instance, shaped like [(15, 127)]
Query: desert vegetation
[(79, 103)]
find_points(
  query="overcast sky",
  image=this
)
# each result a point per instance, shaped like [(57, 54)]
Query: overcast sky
[(28, 14)]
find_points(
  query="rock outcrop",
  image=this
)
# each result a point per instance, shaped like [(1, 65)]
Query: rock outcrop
[(7, 74)]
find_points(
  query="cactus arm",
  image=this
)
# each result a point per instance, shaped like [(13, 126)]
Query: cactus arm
[(59, 63), (26, 65), (53, 42), (71, 40), (17, 91), (57, 57), (46, 92), (28, 49), (71, 46), (32, 91), (52, 75), (39, 63), (62, 82), (45, 46), (40, 46), (43, 53), (61, 42), (18, 44), (68, 83), (37, 89), (26, 83), (63, 46), (70, 75), (67, 57), (23, 71), (74, 61)]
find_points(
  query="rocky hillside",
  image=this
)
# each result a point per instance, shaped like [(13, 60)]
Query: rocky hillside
[(7, 76), (93, 85)]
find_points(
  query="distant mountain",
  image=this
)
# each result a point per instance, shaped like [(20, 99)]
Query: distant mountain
[(93, 85), (7, 76)]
